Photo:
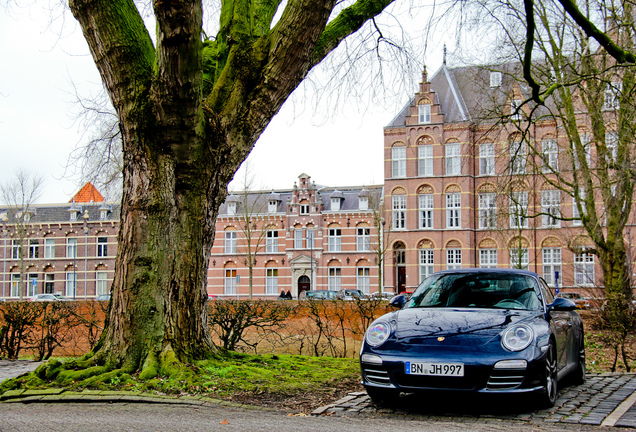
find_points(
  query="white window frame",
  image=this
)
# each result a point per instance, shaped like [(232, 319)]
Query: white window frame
[(518, 209), (310, 238), (272, 206), (399, 212), (102, 247), (487, 159), (487, 210), (271, 281), (519, 259), (453, 158), (49, 283), (453, 259), (71, 247), (611, 95), (426, 211), (611, 143), (32, 289), (550, 151), (335, 278), (552, 261), (231, 208), (584, 269), (424, 113), (363, 239), (230, 242), (514, 106), (16, 284), (363, 279), (15, 249), (551, 208), (576, 216), (271, 241), (398, 162), (49, 248), (335, 239), (101, 283), (453, 210), (298, 238), (425, 160), (335, 204), (518, 157), (229, 281), (34, 249), (71, 284), (363, 203), (488, 258), (427, 263)]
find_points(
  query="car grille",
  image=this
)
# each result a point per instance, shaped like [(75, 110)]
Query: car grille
[(434, 382), (504, 379), (377, 376)]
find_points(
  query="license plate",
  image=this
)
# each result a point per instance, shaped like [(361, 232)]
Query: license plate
[(434, 369)]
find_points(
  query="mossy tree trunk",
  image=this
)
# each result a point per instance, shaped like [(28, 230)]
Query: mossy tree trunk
[(190, 112)]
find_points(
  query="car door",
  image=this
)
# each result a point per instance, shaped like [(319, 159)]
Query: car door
[(561, 323)]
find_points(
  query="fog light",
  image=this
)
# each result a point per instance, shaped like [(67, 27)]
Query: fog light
[(371, 359), (511, 364)]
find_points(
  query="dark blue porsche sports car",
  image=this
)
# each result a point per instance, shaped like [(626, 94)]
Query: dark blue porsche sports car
[(476, 330)]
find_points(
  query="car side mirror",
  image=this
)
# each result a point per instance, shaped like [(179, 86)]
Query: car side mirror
[(398, 301), (562, 304)]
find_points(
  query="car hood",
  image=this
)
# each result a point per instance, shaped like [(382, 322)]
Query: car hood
[(468, 327)]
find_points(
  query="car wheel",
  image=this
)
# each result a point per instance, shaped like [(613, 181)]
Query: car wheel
[(578, 376), (548, 394), (380, 396)]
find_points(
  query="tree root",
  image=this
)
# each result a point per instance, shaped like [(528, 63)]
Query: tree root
[(163, 371)]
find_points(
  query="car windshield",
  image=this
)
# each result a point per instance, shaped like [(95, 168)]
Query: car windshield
[(477, 290)]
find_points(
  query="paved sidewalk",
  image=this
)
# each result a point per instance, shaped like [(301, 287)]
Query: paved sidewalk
[(603, 400), (14, 368)]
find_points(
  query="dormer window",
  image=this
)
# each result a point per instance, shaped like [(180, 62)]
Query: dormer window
[(272, 206), (231, 208), (424, 113), (103, 214), (335, 204), (495, 79), (74, 215), (363, 203), (26, 217)]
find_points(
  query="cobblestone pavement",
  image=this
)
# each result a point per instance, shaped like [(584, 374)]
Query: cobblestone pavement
[(603, 400)]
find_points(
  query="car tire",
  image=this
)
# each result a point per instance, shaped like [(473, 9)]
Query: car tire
[(381, 396), (578, 376), (548, 394)]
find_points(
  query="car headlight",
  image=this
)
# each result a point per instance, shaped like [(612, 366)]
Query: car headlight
[(517, 337), (378, 333)]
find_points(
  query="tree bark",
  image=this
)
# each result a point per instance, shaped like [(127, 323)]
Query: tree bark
[(190, 113)]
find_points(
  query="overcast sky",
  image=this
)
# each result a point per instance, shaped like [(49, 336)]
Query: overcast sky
[(42, 62)]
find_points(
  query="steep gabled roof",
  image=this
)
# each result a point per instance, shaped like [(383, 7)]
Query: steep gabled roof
[(88, 193)]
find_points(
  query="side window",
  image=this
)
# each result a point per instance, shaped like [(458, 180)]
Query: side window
[(547, 293)]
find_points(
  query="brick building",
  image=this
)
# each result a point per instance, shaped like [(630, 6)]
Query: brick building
[(67, 249), (307, 237), (465, 191)]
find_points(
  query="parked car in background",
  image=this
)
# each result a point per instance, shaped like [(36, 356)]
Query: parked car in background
[(103, 297), (384, 295), (351, 294), (485, 331), (318, 295), (214, 297), (49, 297), (580, 301)]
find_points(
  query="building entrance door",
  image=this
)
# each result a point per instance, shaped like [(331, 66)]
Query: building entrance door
[(304, 284)]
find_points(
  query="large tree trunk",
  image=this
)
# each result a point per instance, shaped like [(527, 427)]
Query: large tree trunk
[(187, 124)]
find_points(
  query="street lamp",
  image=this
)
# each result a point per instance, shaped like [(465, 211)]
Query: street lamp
[(86, 218), (4, 219)]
